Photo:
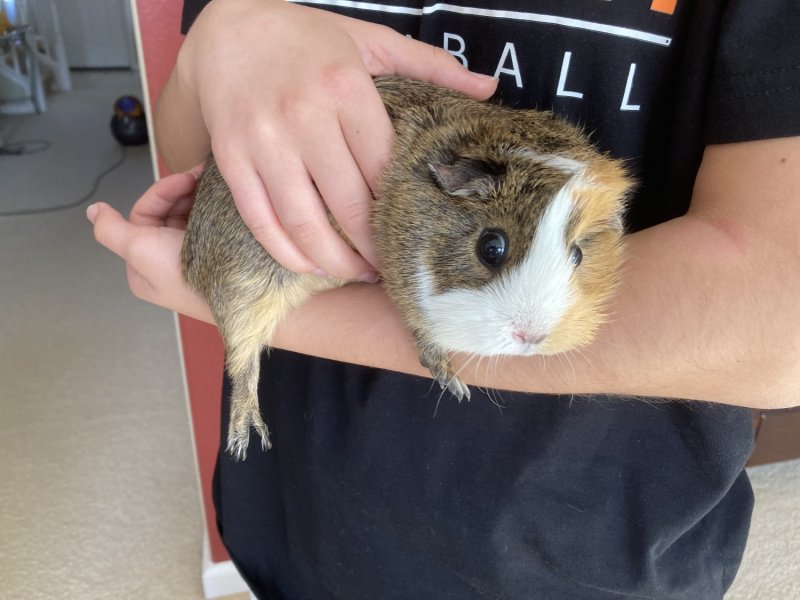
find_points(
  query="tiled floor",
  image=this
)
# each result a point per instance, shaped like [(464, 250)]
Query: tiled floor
[(98, 496)]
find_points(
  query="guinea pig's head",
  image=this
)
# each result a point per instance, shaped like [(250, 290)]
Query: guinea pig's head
[(531, 254)]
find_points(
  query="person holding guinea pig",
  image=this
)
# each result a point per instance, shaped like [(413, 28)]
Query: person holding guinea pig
[(616, 470)]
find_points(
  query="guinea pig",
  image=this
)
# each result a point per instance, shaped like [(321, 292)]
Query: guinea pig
[(499, 232)]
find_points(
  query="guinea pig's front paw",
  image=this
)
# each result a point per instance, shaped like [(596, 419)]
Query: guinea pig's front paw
[(455, 386), (438, 363), (239, 433)]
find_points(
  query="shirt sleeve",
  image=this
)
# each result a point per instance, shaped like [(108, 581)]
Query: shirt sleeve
[(191, 8), (754, 91)]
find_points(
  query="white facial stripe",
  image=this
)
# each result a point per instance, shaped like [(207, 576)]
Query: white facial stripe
[(533, 296), (543, 277)]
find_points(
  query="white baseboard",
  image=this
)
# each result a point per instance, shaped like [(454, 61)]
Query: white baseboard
[(220, 578)]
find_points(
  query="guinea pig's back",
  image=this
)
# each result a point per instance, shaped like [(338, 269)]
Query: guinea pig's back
[(220, 258)]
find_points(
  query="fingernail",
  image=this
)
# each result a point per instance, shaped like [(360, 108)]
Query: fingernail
[(369, 277), (91, 212), (320, 273)]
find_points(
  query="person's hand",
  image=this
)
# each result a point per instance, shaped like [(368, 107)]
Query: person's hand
[(296, 125), (150, 243)]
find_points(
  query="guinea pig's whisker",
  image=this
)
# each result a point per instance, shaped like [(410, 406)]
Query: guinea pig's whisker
[(488, 364), (608, 343), (439, 399), (585, 360), (565, 361), (469, 360), (482, 373)]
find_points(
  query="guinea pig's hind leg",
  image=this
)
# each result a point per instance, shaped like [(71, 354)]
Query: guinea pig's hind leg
[(438, 363), (243, 363), (247, 328)]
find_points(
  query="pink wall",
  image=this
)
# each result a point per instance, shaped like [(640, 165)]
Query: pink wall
[(159, 24)]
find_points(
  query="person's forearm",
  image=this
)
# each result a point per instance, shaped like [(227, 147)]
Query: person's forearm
[(181, 135), (708, 308), (676, 331)]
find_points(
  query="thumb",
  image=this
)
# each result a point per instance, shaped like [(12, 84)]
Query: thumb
[(111, 229)]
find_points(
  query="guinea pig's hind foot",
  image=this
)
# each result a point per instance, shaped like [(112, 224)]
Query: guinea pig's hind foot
[(239, 432), (243, 344)]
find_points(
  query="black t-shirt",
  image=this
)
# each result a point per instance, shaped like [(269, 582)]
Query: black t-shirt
[(371, 492)]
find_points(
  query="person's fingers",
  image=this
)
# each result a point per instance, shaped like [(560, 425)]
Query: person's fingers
[(138, 245), (197, 170), (111, 229), (367, 130), (304, 218), (348, 198), (152, 260), (338, 171), (255, 207), (385, 52), (437, 66), (168, 197)]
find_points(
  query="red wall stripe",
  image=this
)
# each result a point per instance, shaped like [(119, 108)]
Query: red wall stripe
[(159, 25)]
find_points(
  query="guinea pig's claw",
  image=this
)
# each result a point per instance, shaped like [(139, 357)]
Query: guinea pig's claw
[(435, 359), (239, 434), (456, 387), (237, 448)]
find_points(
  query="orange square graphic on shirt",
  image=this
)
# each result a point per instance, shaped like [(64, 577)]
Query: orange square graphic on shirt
[(664, 6)]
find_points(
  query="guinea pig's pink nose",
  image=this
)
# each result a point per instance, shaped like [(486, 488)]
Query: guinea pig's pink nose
[(526, 337)]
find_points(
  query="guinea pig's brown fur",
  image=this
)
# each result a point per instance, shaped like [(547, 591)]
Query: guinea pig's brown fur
[(468, 182), (598, 201), (511, 169)]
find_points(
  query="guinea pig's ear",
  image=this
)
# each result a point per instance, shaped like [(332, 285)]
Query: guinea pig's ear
[(466, 177)]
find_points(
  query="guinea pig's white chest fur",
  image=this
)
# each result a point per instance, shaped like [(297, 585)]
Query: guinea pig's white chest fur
[(516, 312)]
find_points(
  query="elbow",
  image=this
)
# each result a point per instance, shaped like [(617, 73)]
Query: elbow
[(782, 381), (770, 313), (180, 133), (166, 149), (780, 335), (777, 373)]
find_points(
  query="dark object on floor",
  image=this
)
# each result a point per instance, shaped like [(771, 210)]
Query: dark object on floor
[(129, 124)]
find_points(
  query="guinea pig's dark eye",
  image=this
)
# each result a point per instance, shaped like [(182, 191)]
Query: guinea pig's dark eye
[(575, 255), (493, 247)]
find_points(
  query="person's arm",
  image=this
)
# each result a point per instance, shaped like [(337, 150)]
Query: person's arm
[(708, 309), (283, 95)]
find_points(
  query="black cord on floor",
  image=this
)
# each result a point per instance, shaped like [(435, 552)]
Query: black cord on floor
[(74, 203), (21, 148)]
